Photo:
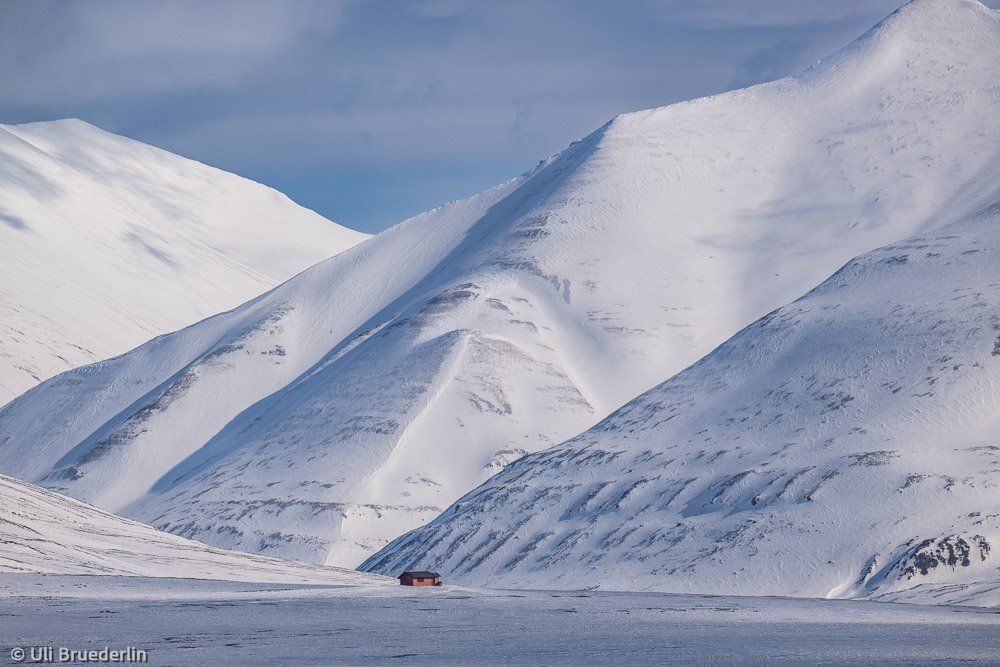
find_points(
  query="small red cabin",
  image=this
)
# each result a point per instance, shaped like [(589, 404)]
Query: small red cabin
[(420, 578)]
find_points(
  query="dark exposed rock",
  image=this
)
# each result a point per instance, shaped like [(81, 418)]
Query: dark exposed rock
[(950, 552)]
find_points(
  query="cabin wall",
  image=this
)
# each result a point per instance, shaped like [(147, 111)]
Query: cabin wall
[(410, 581)]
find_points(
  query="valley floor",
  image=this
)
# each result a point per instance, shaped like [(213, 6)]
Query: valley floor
[(184, 622)]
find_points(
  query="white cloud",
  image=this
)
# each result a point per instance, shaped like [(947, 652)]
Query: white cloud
[(770, 13), (79, 51)]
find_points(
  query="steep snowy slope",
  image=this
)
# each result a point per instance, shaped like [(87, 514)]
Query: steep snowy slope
[(356, 400), (106, 242), (44, 532), (845, 445)]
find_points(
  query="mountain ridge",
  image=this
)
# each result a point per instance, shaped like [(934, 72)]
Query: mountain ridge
[(743, 473), (314, 421), (107, 242)]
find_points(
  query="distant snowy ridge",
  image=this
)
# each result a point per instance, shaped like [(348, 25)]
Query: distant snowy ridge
[(44, 532), (106, 242), (846, 445), (360, 398)]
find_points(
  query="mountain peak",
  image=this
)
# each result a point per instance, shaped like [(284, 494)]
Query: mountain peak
[(925, 18), (925, 43), (934, 24)]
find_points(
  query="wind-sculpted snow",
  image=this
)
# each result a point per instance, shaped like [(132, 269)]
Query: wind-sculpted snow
[(358, 399), (106, 242), (844, 445), (44, 532)]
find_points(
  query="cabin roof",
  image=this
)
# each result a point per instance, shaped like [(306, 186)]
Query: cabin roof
[(420, 574)]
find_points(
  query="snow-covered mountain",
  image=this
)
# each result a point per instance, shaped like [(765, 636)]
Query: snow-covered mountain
[(845, 445), (44, 532), (355, 401), (106, 242)]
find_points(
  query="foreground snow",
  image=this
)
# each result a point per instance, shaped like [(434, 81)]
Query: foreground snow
[(355, 401), (197, 623), (106, 242)]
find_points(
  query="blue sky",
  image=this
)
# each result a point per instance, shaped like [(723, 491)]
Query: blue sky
[(369, 111)]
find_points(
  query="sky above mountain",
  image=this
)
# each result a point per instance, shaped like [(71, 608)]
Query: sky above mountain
[(372, 111)]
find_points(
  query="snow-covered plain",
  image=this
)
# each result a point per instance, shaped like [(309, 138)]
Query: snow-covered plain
[(355, 401), (106, 242), (44, 532), (198, 623), (846, 445)]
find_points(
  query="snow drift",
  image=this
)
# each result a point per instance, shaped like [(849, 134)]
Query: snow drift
[(44, 532)]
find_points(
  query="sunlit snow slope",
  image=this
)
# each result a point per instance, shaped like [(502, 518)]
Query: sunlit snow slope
[(106, 242), (358, 399), (44, 532), (847, 444)]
